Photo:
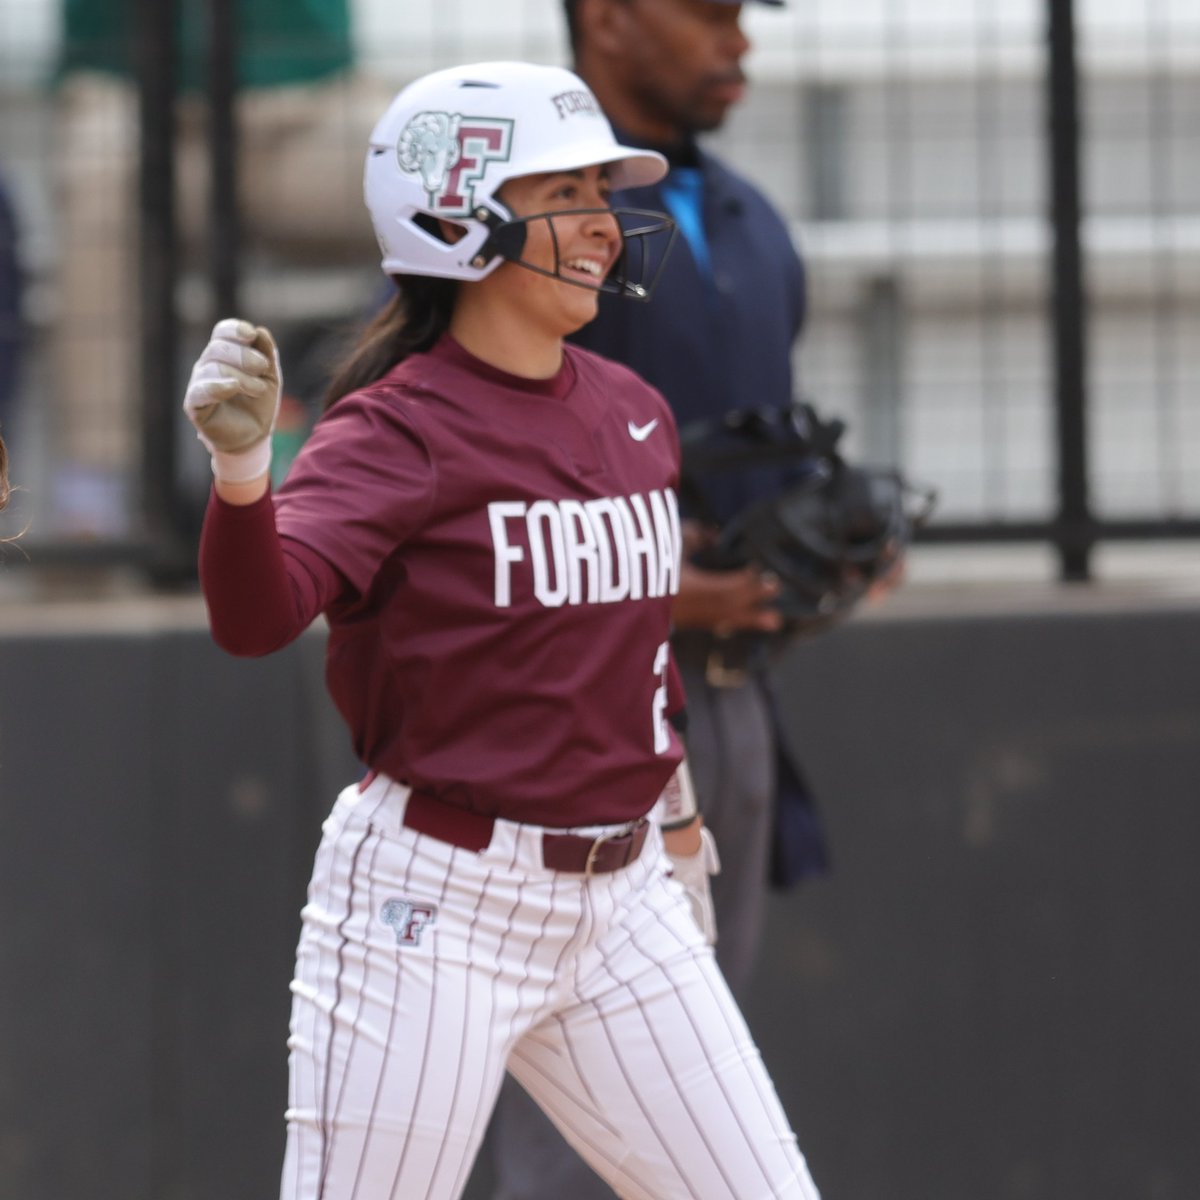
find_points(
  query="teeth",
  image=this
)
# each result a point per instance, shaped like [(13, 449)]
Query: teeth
[(584, 264)]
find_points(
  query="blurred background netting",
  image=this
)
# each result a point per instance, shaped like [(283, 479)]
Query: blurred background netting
[(908, 142)]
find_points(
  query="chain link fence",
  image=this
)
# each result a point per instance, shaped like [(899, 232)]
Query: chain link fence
[(916, 148)]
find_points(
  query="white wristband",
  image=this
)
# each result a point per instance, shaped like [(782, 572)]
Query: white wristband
[(677, 804), (245, 466)]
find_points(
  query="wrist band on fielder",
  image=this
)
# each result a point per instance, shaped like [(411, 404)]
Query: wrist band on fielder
[(245, 466), (677, 805)]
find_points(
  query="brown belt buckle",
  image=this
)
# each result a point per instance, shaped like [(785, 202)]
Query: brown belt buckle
[(718, 675), (594, 850)]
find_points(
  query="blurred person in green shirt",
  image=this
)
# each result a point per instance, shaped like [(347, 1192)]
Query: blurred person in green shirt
[(303, 113)]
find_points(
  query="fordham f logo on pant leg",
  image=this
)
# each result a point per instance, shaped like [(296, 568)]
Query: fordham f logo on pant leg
[(408, 919)]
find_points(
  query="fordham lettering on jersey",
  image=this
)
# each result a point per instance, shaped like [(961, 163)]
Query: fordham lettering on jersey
[(587, 551)]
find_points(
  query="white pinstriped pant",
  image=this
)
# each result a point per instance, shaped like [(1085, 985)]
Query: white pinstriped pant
[(425, 970)]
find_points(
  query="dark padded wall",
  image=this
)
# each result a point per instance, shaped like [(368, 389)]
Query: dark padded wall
[(992, 997), (161, 804)]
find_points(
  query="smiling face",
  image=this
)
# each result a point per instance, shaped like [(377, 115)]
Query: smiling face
[(578, 248), (516, 316)]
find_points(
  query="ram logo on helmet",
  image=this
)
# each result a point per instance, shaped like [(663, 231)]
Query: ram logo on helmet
[(450, 152)]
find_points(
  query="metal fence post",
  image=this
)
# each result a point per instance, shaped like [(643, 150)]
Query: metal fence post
[(1074, 531), (224, 232), (158, 270)]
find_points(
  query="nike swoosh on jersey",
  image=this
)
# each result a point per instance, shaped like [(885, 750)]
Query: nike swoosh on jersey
[(640, 433)]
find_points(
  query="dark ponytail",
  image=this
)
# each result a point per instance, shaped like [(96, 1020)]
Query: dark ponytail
[(411, 321)]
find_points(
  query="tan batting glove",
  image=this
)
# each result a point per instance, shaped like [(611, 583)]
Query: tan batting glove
[(233, 397), (693, 871)]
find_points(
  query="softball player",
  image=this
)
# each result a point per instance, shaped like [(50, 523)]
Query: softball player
[(487, 519)]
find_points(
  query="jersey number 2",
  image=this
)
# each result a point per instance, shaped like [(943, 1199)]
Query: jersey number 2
[(658, 709)]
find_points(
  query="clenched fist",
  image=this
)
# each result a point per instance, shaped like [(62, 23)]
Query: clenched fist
[(233, 397)]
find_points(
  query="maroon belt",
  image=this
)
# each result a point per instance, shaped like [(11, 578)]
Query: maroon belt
[(572, 852)]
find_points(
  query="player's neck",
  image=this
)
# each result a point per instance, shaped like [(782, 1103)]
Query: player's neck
[(507, 341)]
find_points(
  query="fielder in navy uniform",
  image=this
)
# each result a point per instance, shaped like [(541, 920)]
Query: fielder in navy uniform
[(487, 518)]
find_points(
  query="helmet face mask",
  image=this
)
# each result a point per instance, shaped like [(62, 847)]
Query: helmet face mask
[(646, 240), (827, 535), (450, 141), (826, 543)]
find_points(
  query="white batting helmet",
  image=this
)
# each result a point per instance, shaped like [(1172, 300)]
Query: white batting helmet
[(449, 141)]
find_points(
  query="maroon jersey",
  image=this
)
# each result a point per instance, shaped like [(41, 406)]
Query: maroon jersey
[(511, 549)]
